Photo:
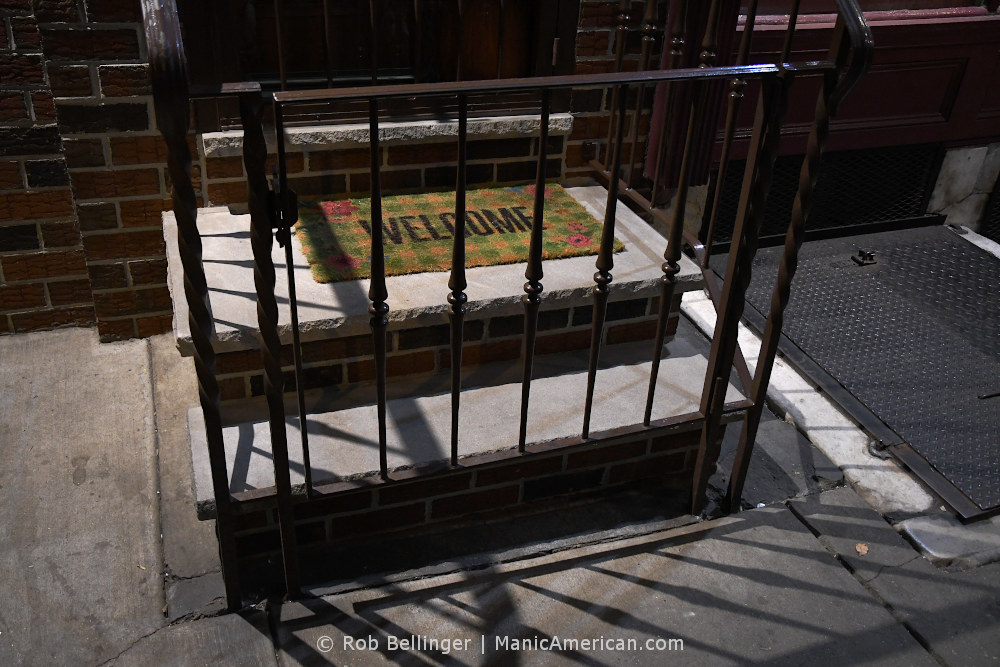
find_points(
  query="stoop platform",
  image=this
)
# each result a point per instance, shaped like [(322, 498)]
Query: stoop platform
[(337, 310)]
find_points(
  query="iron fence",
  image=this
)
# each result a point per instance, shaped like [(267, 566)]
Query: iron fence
[(273, 211)]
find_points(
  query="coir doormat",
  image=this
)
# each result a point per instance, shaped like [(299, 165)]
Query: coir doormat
[(418, 231)]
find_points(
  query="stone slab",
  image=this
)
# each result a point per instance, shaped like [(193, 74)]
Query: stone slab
[(190, 548), (236, 639), (756, 588), (341, 309), (204, 595), (784, 464), (79, 535), (947, 541), (843, 520), (353, 135), (955, 613), (344, 444)]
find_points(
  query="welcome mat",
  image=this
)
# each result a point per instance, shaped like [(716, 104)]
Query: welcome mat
[(418, 231)]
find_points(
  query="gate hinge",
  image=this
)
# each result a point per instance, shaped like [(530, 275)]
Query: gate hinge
[(283, 208)]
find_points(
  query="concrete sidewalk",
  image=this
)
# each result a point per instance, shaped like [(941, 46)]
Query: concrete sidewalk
[(104, 562)]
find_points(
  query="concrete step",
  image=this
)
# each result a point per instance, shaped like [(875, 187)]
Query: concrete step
[(343, 428), (337, 310)]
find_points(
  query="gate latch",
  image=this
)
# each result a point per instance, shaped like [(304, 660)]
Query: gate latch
[(864, 257)]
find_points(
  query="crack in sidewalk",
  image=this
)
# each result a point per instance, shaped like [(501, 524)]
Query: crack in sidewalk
[(866, 584)]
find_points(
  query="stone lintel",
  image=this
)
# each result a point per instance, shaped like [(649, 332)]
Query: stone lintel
[(353, 135)]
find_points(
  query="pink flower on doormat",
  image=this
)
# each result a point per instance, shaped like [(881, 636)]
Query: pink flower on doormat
[(342, 262), (576, 227), (578, 240), (531, 190), (338, 209)]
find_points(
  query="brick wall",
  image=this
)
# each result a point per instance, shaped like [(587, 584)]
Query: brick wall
[(482, 487), (404, 167), (95, 54), (340, 361), (43, 272)]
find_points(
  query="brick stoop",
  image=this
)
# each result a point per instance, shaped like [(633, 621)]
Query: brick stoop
[(478, 491), (492, 479)]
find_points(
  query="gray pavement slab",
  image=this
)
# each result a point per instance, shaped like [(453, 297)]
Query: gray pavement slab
[(956, 614), (747, 589), (784, 464), (190, 548), (79, 531), (195, 597), (237, 639)]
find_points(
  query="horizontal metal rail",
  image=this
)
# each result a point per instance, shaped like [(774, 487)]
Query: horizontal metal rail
[(582, 81)]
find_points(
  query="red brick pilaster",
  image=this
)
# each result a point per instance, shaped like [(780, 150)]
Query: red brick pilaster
[(43, 271)]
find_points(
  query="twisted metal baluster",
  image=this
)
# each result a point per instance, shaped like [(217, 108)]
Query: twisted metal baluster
[(328, 43), (254, 160), (793, 16), (675, 27), (756, 184), (710, 42), (418, 31), (168, 75), (826, 103), (500, 37), (373, 40), (459, 39), (280, 44), (457, 283), (605, 262), (532, 298), (288, 213)]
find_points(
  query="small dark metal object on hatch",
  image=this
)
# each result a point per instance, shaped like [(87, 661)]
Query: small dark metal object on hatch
[(864, 257)]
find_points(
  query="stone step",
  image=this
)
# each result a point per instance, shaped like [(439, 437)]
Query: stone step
[(338, 310), (343, 440)]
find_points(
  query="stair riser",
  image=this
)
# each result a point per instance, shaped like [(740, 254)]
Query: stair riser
[(412, 352), (509, 486)]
